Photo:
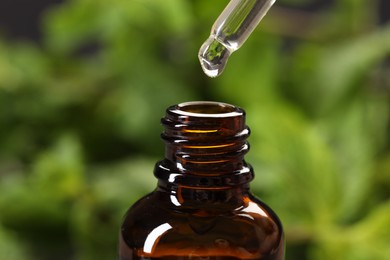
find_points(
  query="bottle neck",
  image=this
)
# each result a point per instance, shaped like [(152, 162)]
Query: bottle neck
[(214, 199), (205, 146)]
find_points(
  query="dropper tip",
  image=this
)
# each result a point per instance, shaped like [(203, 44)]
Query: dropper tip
[(213, 56), (208, 68)]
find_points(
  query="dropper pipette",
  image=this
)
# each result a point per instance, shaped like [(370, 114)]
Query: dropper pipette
[(230, 31)]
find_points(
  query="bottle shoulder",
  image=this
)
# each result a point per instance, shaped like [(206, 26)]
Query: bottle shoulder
[(154, 208), (252, 229), (258, 210)]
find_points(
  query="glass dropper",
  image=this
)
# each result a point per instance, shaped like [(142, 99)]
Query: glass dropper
[(230, 31)]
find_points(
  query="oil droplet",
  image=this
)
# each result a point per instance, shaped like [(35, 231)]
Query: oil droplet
[(213, 56)]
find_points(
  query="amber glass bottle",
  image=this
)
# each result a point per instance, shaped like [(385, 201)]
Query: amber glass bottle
[(202, 207)]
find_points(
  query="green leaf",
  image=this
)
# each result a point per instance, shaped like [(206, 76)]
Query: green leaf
[(326, 78), (366, 240), (11, 247), (96, 217)]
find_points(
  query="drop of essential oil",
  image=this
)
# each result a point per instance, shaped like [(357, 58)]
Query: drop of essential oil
[(213, 57)]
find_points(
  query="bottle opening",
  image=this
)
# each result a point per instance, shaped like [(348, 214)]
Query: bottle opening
[(207, 109)]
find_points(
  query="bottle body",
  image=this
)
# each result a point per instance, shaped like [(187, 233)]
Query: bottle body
[(202, 208), (157, 229)]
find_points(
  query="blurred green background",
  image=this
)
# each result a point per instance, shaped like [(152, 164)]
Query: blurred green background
[(80, 111)]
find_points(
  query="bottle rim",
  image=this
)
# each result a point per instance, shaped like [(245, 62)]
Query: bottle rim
[(204, 109)]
